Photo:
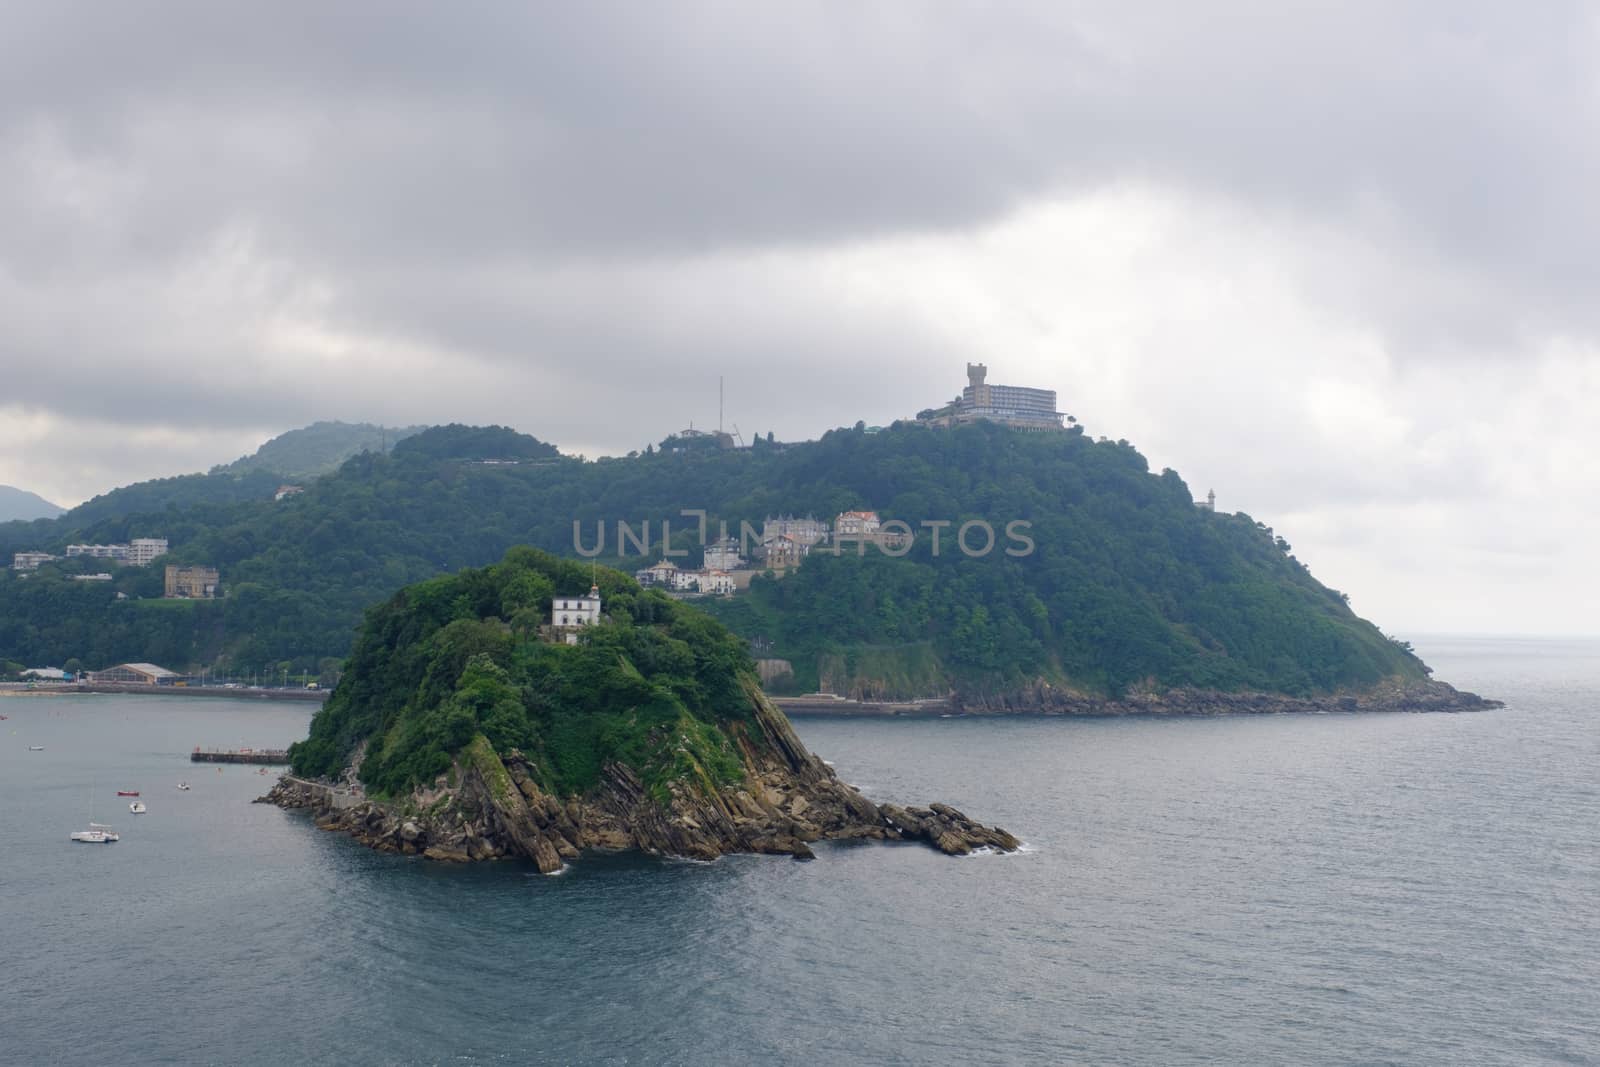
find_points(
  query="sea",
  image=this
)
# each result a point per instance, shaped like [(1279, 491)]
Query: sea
[(1292, 889)]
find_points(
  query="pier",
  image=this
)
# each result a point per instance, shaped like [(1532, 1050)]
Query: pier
[(269, 756), (828, 704)]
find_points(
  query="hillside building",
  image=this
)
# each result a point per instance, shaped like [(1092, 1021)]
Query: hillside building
[(28, 561), (139, 553), (190, 583), (781, 551), (807, 531), (117, 552), (855, 525), (1020, 407), (662, 574), (144, 550), (723, 555), (570, 615)]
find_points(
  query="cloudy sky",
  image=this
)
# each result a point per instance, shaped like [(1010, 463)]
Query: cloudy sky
[(1337, 261)]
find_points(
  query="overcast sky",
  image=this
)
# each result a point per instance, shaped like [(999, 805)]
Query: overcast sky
[(1337, 261)]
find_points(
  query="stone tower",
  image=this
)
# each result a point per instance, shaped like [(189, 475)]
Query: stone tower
[(976, 394)]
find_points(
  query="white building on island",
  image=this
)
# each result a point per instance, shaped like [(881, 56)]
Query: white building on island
[(569, 615)]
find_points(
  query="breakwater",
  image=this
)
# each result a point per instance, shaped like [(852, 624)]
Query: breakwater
[(314, 696), (827, 704), (268, 756)]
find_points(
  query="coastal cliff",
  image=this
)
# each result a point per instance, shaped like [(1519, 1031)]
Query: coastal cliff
[(789, 798), (459, 735)]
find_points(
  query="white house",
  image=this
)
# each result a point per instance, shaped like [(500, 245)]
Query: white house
[(27, 561), (855, 525), (723, 555), (719, 583), (807, 531), (659, 574), (570, 614)]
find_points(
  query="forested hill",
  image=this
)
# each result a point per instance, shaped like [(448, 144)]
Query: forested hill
[(318, 449), (1127, 580), (19, 504)]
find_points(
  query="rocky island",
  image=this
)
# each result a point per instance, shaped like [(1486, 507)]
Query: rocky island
[(477, 721)]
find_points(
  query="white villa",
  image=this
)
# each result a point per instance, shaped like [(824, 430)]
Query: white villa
[(723, 555), (570, 614), (664, 573)]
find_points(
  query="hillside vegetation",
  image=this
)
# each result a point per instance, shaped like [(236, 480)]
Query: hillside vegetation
[(318, 449), (455, 657), (1127, 582)]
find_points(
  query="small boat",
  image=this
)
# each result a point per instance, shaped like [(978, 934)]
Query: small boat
[(137, 807), (96, 834), (35, 748), (127, 792), (184, 786)]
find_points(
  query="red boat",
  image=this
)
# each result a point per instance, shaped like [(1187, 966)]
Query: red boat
[(127, 792)]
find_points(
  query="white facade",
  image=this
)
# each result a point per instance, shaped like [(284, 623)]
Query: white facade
[(718, 583), (723, 555), (145, 549), (855, 524), (659, 574), (807, 531), (98, 551), (568, 612), (27, 561)]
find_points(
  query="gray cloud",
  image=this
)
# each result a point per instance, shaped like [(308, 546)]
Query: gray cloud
[(221, 221)]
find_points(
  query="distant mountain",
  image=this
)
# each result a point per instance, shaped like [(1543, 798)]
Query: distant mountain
[(21, 504), (318, 449)]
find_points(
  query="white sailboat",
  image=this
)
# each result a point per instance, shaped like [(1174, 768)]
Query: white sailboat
[(96, 834)]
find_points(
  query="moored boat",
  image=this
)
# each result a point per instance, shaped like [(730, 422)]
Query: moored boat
[(137, 807), (127, 792), (96, 834)]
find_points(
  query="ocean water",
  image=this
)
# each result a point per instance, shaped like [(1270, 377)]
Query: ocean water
[(1294, 889)]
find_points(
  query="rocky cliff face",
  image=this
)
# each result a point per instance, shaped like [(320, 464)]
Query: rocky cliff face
[(788, 798)]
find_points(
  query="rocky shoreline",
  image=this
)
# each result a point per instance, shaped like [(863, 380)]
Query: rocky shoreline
[(789, 798), (1413, 697), (1044, 699)]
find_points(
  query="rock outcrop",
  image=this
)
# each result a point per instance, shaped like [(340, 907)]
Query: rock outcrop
[(1427, 696), (788, 799)]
